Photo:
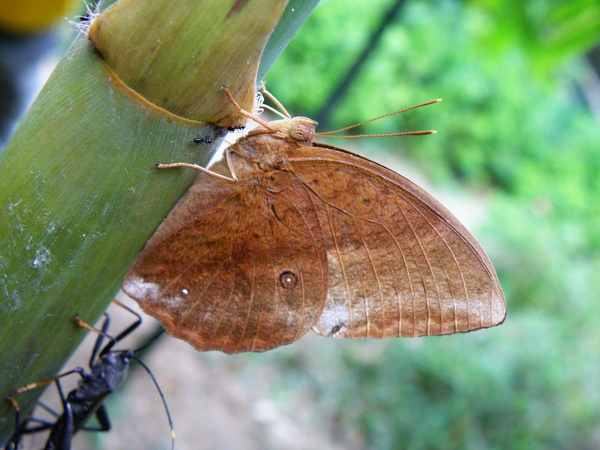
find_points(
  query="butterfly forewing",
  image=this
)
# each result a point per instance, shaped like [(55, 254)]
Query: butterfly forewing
[(399, 263), (242, 269)]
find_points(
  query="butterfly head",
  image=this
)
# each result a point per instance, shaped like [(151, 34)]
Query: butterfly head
[(302, 129), (296, 129)]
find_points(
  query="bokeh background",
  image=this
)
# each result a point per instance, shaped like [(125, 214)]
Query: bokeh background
[(516, 158)]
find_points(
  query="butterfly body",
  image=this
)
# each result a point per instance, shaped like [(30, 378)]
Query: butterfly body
[(293, 235)]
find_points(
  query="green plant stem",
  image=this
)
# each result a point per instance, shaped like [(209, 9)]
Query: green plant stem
[(79, 197)]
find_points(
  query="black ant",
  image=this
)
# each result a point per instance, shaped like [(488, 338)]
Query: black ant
[(108, 370), (208, 140), (203, 140)]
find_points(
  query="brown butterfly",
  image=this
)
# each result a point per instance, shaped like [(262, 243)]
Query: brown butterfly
[(285, 235)]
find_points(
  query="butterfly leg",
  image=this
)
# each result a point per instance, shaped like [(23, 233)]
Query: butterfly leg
[(196, 167), (244, 112)]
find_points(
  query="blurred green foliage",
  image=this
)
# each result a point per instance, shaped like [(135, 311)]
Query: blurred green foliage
[(516, 133)]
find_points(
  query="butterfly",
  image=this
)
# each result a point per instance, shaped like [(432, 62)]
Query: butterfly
[(285, 235)]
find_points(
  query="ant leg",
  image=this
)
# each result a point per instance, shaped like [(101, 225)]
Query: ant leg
[(103, 332), (100, 339), (62, 436), (43, 424), (103, 419), (47, 409), (162, 397), (37, 384), (15, 439), (123, 334), (101, 335)]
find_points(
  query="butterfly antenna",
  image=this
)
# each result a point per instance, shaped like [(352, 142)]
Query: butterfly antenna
[(162, 397), (409, 133)]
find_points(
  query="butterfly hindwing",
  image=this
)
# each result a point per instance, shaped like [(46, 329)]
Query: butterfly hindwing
[(400, 264)]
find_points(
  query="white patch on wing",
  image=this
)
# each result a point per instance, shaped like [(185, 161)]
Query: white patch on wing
[(291, 316), (172, 302), (333, 320), (141, 290)]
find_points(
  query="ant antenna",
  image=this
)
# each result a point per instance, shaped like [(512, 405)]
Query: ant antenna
[(162, 397)]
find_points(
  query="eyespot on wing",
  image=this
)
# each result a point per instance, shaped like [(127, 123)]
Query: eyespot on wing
[(235, 267)]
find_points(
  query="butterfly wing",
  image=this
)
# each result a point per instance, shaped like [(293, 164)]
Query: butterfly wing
[(235, 267), (400, 264)]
